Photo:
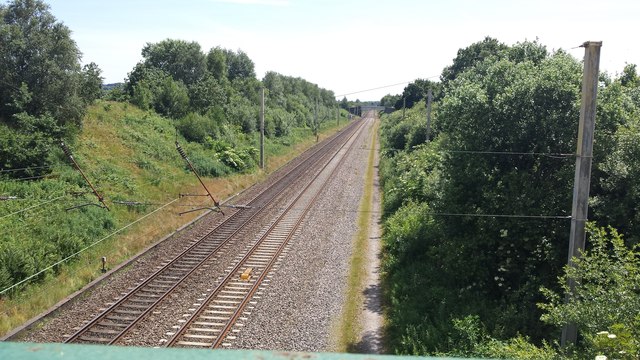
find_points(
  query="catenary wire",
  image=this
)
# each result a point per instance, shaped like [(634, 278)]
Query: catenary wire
[(33, 177), (483, 152), (26, 168), (87, 247), (33, 206), (387, 86), (516, 216), (426, 78)]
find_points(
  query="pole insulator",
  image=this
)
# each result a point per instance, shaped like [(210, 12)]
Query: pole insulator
[(181, 151), (77, 167), (193, 169), (66, 150)]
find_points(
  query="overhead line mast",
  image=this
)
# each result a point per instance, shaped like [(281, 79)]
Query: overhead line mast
[(584, 154), (77, 167), (193, 169)]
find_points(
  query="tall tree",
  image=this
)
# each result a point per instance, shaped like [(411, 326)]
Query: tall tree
[(389, 100), (206, 94), (239, 65), (155, 89), (494, 116), (40, 79), (344, 103), (508, 106), (91, 85), (471, 55), (629, 77), (39, 64), (417, 91), (614, 183), (273, 82), (217, 63), (183, 60)]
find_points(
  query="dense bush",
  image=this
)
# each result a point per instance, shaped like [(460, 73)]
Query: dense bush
[(196, 127), (606, 297), (447, 257), (208, 165), (43, 90), (411, 176), (30, 242), (26, 142)]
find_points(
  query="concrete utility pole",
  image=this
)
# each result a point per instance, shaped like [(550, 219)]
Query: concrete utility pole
[(338, 115), (262, 128), (579, 210), (315, 121), (429, 99), (404, 106)]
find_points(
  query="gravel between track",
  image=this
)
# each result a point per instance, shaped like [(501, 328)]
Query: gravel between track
[(300, 309), (295, 312), (61, 323)]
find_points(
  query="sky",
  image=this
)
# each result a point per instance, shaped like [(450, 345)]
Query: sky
[(347, 46)]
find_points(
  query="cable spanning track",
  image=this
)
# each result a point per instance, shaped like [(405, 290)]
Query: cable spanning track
[(115, 322), (215, 319)]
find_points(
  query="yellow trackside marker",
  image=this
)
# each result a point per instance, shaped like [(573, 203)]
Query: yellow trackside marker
[(246, 275)]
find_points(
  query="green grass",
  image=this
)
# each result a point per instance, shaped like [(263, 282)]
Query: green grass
[(128, 154), (350, 325)]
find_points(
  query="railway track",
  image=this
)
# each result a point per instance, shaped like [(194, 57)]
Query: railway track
[(119, 318), (215, 319)]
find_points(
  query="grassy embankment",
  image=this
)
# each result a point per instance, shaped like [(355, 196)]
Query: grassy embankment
[(129, 155), (350, 325)]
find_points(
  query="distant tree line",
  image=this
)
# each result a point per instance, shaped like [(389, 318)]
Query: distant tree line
[(210, 101), (44, 90), (213, 93)]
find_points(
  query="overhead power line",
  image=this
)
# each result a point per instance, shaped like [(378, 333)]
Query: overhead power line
[(514, 216), (33, 206), (47, 176), (26, 168), (386, 86), (483, 152), (377, 88), (87, 247), (562, 155)]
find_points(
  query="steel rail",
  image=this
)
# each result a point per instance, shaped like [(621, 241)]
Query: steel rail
[(267, 268), (279, 185)]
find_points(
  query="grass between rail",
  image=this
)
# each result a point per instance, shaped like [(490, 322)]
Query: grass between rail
[(37, 297), (350, 325)]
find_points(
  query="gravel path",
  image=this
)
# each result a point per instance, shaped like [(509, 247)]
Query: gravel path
[(371, 337)]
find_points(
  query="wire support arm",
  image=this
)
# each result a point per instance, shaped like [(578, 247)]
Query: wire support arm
[(193, 169), (77, 167)]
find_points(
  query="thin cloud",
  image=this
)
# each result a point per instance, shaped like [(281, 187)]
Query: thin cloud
[(256, 2)]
